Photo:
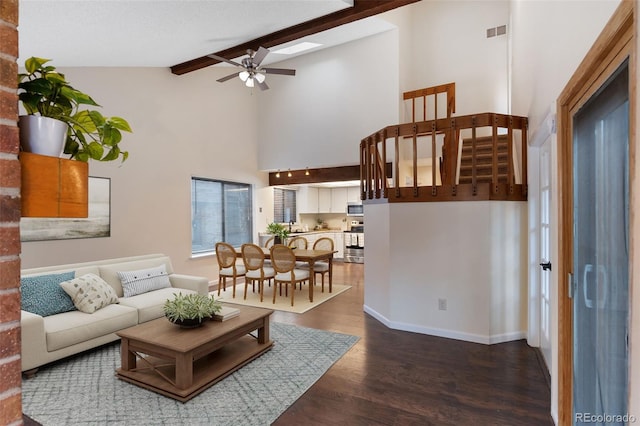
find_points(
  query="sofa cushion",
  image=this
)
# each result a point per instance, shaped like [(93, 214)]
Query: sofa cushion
[(144, 280), (74, 327), (42, 294), (150, 305), (109, 272), (89, 293)]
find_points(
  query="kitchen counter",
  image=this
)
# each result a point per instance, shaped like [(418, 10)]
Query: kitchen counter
[(335, 234), (299, 233)]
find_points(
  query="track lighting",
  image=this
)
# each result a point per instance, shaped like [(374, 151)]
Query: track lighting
[(278, 173), (289, 173), (306, 172)]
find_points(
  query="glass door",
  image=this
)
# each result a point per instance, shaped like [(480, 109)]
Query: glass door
[(601, 254)]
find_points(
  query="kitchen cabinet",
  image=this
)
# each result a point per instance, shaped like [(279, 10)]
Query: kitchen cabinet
[(338, 244), (307, 199), (353, 194), (338, 200), (311, 199), (324, 200)]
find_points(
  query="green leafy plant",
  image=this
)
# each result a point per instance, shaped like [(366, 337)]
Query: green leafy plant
[(278, 230), (44, 91), (190, 306)]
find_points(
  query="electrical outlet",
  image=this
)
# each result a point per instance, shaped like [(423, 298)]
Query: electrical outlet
[(442, 304)]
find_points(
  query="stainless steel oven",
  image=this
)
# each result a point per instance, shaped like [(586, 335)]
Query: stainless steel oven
[(354, 245)]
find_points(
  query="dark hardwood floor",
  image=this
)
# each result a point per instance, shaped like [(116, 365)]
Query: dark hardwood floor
[(400, 378)]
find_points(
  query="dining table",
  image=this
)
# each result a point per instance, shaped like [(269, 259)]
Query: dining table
[(308, 256)]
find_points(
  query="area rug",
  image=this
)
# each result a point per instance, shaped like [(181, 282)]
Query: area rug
[(84, 391), (301, 302)]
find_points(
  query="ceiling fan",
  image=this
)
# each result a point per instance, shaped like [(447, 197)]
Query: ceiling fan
[(253, 73)]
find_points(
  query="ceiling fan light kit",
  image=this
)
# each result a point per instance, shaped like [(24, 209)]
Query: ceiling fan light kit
[(253, 73)]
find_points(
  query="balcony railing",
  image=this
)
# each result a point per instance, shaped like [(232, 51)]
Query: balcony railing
[(472, 157)]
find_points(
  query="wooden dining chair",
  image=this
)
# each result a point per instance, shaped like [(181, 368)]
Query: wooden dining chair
[(298, 242), (253, 258), (226, 255), (269, 242), (324, 243), (283, 260)]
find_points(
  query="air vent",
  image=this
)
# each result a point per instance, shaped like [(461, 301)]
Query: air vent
[(496, 31)]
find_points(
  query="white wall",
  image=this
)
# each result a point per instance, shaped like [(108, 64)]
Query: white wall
[(449, 44), (183, 126), (429, 255), (338, 96), (377, 267)]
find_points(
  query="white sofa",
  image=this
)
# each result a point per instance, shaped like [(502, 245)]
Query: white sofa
[(50, 338)]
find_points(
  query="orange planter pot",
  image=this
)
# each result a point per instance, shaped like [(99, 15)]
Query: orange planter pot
[(54, 187)]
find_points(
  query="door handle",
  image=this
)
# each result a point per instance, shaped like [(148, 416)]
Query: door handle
[(546, 266), (588, 268)]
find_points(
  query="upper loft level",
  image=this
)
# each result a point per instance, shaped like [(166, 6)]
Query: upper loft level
[(439, 157)]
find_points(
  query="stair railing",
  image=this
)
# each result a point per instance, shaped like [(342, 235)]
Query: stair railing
[(374, 155)]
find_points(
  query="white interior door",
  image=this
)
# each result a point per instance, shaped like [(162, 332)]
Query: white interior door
[(545, 250)]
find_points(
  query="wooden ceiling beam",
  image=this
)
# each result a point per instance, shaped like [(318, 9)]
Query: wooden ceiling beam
[(327, 174), (361, 9)]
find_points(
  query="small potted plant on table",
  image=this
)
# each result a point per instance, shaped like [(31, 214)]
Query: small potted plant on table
[(279, 231), (190, 310)]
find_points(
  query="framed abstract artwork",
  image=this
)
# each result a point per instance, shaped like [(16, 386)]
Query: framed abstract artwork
[(97, 225)]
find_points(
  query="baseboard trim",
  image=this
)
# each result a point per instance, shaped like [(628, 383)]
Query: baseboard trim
[(449, 334)]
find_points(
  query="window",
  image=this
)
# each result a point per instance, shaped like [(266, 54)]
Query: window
[(220, 211), (284, 205)]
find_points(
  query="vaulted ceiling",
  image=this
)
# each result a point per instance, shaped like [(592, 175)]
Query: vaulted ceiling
[(179, 34)]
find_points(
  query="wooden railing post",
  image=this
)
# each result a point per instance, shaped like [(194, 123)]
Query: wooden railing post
[(452, 153), (377, 170), (384, 164), (415, 160), (474, 177), (524, 179), (434, 192), (510, 165), (396, 178), (494, 162)]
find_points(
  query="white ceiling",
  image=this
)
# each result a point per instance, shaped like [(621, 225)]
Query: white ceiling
[(162, 33)]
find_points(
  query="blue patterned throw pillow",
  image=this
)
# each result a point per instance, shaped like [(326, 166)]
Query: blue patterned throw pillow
[(42, 294)]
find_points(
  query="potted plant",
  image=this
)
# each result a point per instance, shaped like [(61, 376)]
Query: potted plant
[(86, 133), (190, 310), (279, 231)]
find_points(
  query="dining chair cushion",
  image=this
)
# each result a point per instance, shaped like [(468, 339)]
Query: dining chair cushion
[(299, 274), (228, 272), (255, 274), (320, 267)]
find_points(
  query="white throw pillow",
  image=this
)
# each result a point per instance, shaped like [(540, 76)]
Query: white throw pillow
[(89, 293), (144, 280)]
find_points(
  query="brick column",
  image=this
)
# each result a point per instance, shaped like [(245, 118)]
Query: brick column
[(10, 377)]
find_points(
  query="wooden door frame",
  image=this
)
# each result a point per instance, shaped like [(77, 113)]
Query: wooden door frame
[(616, 43)]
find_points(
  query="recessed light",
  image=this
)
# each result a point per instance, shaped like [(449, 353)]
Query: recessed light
[(296, 48)]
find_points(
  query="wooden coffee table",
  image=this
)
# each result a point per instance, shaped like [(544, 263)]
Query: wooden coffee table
[(180, 363)]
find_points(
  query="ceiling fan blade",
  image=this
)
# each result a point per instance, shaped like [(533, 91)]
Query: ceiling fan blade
[(283, 71), (262, 86), (229, 77), (260, 55), (220, 58)]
